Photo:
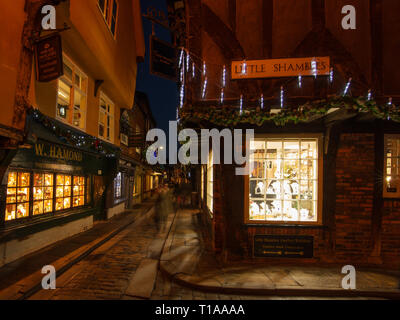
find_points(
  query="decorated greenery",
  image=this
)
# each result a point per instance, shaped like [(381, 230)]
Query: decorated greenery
[(231, 117)]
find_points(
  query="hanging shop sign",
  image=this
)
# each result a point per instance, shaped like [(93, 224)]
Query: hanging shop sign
[(162, 59), (278, 68), (48, 56), (272, 246)]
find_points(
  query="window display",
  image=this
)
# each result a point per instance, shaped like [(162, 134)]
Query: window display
[(63, 192), (79, 191), (391, 181), (42, 193), (284, 180), (118, 186)]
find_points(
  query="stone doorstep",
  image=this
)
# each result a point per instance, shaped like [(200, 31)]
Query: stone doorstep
[(18, 289)]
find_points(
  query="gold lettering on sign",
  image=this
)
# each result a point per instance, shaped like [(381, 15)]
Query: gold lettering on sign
[(55, 152)]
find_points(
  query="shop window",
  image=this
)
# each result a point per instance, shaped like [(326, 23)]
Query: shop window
[(284, 180), (72, 96), (18, 196), (106, 118), (70, 191), (202, 183), (43, 185), (109, 9), (118, 186), (391, 188), (210, 182)]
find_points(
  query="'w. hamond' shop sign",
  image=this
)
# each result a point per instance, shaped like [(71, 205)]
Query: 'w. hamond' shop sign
[(279, 68)]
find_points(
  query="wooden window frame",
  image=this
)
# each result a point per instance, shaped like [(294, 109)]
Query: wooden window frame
[(71, 83), (320, 176)]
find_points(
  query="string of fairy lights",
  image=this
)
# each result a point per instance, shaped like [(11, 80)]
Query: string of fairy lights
[(188, 71)]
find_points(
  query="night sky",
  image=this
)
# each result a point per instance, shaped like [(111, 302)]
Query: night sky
[(162, 93)]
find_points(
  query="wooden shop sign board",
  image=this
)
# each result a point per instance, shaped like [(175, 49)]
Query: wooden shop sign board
[(48, 56), (272, 246), (280, 68)]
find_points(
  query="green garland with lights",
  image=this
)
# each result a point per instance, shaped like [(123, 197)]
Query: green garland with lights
[(231, 117)]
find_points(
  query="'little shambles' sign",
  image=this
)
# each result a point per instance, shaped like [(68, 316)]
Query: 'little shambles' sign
[(278, 68), (48, 54), (283, 246)]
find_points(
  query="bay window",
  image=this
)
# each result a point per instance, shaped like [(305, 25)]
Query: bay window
[(285, 180)]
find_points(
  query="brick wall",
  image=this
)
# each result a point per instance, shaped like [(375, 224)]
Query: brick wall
[(355, 169)]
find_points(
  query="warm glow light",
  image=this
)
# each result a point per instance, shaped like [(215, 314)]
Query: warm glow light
[(60, 93)]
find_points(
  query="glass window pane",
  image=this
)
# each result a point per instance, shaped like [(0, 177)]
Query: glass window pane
[(48, 206), (12, 179), (38, 193), (38, 208), (22, 210), (23, 179)]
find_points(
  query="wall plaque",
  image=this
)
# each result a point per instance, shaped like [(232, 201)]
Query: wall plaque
[(273, 246)]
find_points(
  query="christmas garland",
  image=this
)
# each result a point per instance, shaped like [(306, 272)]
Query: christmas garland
[(230, 117), (72, 137)]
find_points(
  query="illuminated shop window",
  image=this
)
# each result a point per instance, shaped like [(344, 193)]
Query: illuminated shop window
[(109, 9), (118, 186), (43, 185), (72, 96), (78, 192), (70, 191), (63, 192), (284, 180), (391, 188), (18, 196), (210, 182)]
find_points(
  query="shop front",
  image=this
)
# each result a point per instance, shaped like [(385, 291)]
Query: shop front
[(119, 197), (53, 190)]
